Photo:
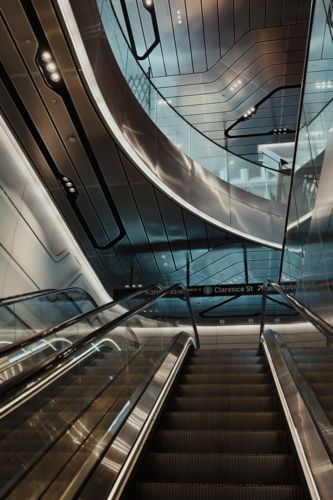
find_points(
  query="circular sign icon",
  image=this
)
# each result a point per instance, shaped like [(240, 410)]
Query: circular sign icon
[(208, 290)]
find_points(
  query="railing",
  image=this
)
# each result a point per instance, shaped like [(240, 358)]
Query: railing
[(134, 355), (304, 346), (321, 325), (26, 315), (245, 174), (56, 358)]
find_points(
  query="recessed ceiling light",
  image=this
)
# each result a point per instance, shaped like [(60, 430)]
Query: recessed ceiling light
[(55, 77), (140, 286), (179, 22), (253, 109), (163, 256), (127, 286), (245, 116), (69, 184), (179, 16), (46, 56), (165, 264), (51, 66), (65, 179), (72, 190), (239, 81), (236, 85), (231, 88)]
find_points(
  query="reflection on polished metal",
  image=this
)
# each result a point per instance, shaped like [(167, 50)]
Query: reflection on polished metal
[(229, 208), (112, 473), (321, 325), (315, 461), (308, 395)]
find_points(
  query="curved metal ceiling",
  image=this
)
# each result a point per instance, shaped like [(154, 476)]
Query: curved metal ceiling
[(198, 64), (159, 238)]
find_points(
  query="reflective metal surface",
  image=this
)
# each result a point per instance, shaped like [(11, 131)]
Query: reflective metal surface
[(150, 151), (316, 464), (259, 43), (113, 471)]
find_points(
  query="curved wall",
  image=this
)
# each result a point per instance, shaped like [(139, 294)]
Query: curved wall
[(37, 251), (199, 191)]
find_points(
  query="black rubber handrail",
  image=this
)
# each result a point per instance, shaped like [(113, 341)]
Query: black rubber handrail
[(22, 343), (25, 296), (17, 382), (15, 299), (321, 325)]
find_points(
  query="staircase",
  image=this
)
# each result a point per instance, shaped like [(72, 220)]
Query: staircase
[(221, 435)]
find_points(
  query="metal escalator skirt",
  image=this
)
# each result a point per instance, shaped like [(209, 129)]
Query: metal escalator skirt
[(111, 475), (313, 456)]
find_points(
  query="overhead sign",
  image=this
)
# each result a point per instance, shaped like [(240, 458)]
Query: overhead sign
[(236, 289)]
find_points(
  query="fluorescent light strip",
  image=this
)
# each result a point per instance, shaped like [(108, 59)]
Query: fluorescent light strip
[(89, 76)]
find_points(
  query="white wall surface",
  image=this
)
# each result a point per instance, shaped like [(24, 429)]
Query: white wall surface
[(37, 250)]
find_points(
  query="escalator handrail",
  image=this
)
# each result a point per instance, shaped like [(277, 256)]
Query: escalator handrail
[(22, 343), (11, 299), (15, 299), (321, 325), (22, 379)]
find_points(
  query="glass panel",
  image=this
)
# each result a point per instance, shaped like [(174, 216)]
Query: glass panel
[(71, 422), (268, 182), (26, 357), (29, 316)]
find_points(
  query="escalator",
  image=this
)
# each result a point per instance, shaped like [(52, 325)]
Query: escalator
[(221, 435), (135, 409)]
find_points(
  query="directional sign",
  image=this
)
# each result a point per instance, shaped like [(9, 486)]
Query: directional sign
[(234, 290)]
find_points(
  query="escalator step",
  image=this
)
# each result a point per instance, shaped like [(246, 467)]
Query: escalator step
[(315, 367), (220, 390), (152, 491), (221, 421), (242, 442), (322, 351), (322, 389), (218, 469), (223, 404), (321, 378), (313, 358), (212, 353), (232, 368), (230, 360), (225, 378)]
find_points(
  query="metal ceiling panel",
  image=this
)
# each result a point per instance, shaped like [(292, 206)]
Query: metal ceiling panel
[(181, 36), (257, 14), (175, 228), (289, 12), (273, 13), (197, 37), (167, 37), (242, 18), (211, 30), (196, 233)]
